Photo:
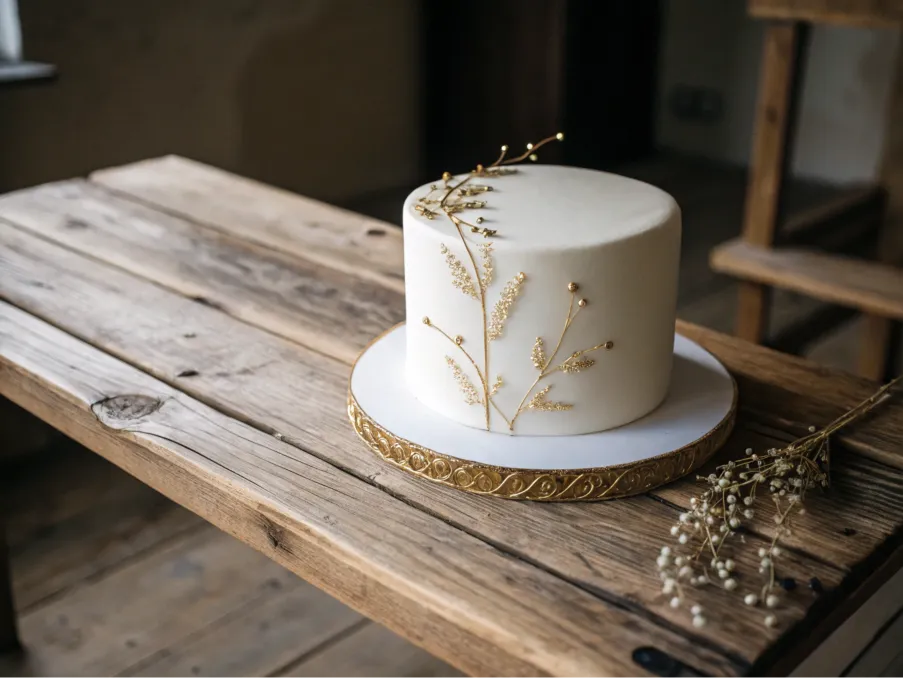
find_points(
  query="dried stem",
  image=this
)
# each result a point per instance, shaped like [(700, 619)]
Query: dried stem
[(716, 514)]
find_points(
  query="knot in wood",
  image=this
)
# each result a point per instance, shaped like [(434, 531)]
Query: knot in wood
[(120, 411)]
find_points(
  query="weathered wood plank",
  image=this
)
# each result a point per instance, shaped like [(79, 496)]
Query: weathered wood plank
[(794, 393), (387, 655), (456, 595), (146, 606), (304, 301), (606, 547), (259, 213), (865, 285), (884, 13)]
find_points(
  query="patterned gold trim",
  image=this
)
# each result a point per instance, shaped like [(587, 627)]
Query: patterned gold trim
[(588, 484)]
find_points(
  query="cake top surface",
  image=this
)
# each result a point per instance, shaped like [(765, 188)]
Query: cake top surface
[(551, 206)]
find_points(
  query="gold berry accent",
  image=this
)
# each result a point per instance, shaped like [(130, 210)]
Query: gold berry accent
[(560, 136), (446, 176), (504, 148), (529, 147), (609, 345), (521, 276), (582, 303), (426, 320), (573, 287), (479, 169), (534, 157), (479, 220), (459, 340)]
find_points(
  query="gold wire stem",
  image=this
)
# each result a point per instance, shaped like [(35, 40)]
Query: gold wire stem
[(483, 381), (532, 148), (463, 350), (543, 373), (476, 273), (501, 157)]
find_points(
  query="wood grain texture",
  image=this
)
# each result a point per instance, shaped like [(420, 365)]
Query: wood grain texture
[(256, 212), (781, 53), (883, 13), (773, 126), (71, 507), (882, 336), (67, 491), (304, 301), (604, 548), (146, 606), (260, 638), (793, 393), (865, 285), (446, 590), (388, 655)]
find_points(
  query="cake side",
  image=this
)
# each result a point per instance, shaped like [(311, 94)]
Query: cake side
[(574, 318)]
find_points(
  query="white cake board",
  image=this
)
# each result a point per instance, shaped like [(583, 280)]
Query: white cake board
[(694, 419)]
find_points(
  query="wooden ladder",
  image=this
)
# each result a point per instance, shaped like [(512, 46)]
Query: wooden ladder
[(810, 255)]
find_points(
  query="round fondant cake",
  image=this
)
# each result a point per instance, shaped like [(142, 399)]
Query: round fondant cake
[(541, 300)]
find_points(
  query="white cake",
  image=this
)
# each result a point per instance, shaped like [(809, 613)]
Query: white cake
[(561, 243)]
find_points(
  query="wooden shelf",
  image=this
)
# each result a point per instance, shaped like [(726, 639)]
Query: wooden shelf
[(884, 13), (865, 285)]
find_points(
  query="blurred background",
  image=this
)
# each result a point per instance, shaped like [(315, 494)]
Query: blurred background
[(356, 102)]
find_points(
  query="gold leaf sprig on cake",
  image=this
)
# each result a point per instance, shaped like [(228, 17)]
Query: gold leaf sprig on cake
[(571, 365), (703, 534), (453, 198), (460, 277), (539, 402), (471, 395), (504, 305)]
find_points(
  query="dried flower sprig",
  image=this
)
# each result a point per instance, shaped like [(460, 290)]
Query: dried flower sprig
[(717, 514)]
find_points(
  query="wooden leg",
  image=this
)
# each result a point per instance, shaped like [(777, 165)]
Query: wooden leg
[(879, 351), (9, 637), (782, 61), (753, 305)]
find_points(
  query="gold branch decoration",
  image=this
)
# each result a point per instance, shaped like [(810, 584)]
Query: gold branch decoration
[(572, 365), (453, 198)]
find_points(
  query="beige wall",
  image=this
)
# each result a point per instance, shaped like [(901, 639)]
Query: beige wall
[(320, 96), (844, 106)]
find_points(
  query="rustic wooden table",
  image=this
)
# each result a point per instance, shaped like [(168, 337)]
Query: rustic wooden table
[(196, 329)]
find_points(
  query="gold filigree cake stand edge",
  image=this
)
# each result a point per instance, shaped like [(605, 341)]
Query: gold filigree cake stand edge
[(585, 484)]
